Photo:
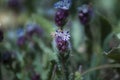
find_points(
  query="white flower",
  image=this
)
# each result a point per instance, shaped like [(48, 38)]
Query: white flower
[(63, 34)]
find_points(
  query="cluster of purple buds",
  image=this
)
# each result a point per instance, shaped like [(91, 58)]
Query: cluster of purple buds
[(61, 17), (85, 13), (62, 41), (1, 35), (62, 12), (15, 5)]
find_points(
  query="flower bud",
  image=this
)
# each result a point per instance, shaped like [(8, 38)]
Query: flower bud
[(62, 41), (85, 13), (61, 17)]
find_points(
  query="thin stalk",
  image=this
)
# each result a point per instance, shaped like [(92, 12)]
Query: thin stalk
[(54, 71), (101, 67)]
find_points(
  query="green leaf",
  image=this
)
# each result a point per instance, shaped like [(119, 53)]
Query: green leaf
[(114, 54), (112, 41), (106, 28), (77, 34)]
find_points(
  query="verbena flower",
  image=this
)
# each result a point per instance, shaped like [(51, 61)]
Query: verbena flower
[(1, 35), (85, 13), (62, 41)]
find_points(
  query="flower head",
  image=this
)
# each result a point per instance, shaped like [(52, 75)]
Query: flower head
[(61, 17), (62, 41), (85, 13), (63, 4)]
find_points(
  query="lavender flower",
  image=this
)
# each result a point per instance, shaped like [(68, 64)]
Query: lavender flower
[(61, 17), (1, 35), (62, 41), (85, 13), (62, 12), (34, 29)]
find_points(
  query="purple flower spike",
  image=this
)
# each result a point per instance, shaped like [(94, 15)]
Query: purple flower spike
[(85, 14), (61, 17), (62, 41)]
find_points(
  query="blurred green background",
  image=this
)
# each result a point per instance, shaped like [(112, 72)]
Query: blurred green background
[(33, 60)]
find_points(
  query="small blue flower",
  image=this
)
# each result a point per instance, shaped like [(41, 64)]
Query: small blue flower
[(63, 4)]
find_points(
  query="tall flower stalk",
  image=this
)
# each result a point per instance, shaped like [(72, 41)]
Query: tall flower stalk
[(61, 36), (85, 14)]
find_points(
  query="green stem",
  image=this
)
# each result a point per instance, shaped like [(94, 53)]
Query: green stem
[(53, 73), (101, 67), (50, 72), (65, 70), (64, 67)]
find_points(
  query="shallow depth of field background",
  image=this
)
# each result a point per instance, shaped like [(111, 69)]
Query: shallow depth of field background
[(35, 57)]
